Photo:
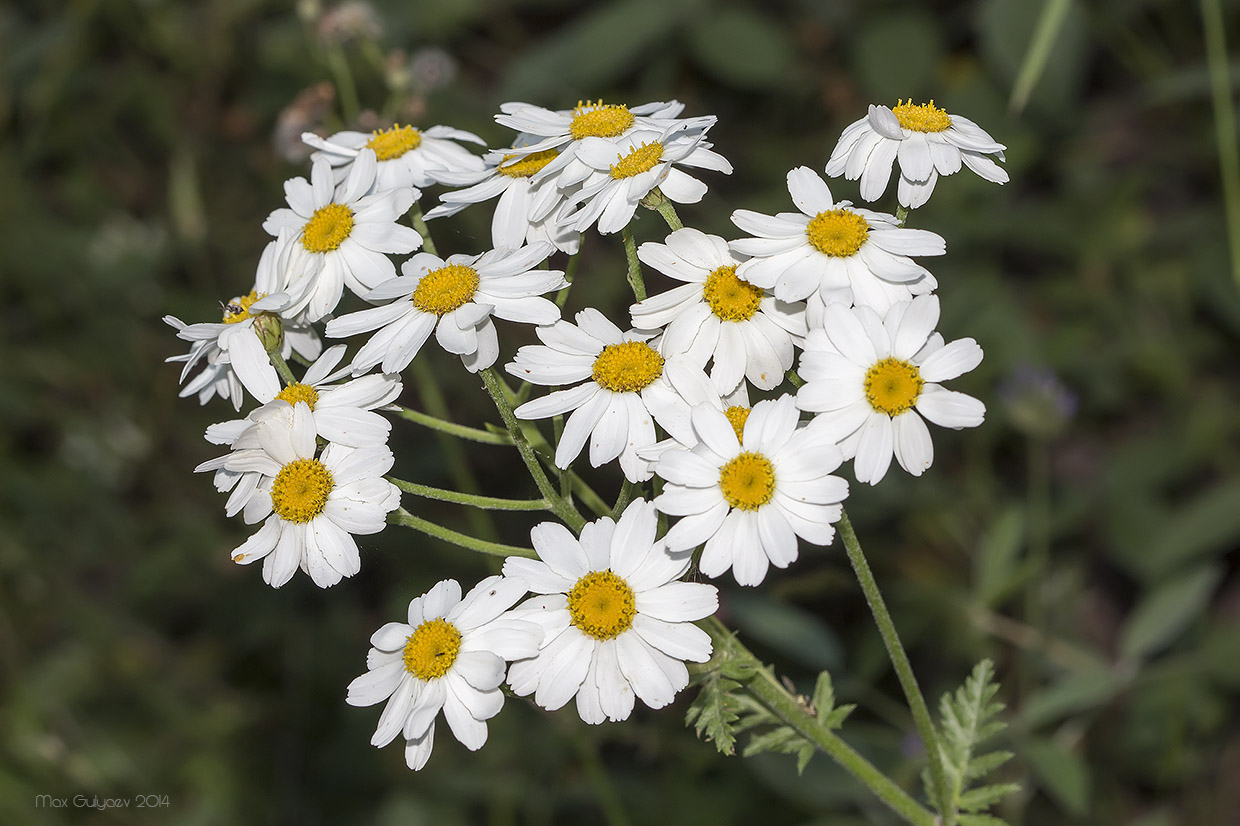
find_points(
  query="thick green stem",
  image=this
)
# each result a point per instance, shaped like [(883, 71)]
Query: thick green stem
[(473, 434), (486, 502), (903, 669), (656, 200), (635, 265), (400, 516), (282, 367), (771, 693), (563, 509), (1224, 124)]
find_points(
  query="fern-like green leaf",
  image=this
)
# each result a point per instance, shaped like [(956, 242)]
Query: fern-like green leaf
[(714, 713)]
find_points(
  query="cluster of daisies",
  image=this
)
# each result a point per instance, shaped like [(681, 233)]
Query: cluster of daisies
[(606, 616)]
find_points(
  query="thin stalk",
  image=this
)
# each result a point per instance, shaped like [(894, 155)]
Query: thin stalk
[(587, 495), (628, 491), (570, 272), (419, 223), (563, 509), (282, 367), (903, 669), (486, 502), (473, 434), (338, 64), (400, 516), (656, 200), (771, 693), (635, 265), (1224, 124), (796, 380)]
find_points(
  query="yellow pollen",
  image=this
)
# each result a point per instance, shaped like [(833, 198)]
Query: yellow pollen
[(446, 289), (892, 386), (299, 393), (299, 492), (239, 308), (390, 144), (431, 649), (627, 367), (328, 228), (737, 416), (730, 298), (599, 120), (528, 166), (921, 117), (641, 159), (748, 481), (838, 232), (601, 605)]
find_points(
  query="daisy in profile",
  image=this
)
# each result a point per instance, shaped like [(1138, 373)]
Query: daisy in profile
[(448, 656), (406, 156), (626, 386), (748, 333), (872, 379), (754, 483), (454, 299), (830, 252), (617, 623), (625, 170), (926, 141), (349, 229), (310, 504)]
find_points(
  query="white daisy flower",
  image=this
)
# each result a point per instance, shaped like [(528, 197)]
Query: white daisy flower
[(407, 157), (751, 486), (449, 656), (831, 252), (868, 378), (310, 506), (626, 387), (624, 170), (455, 299), (349, 228), (748, 333), (617, 624), (926, 140), (526, 205)]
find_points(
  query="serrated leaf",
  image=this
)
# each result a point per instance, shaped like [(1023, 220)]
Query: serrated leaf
[(838, 715), (824, 697), (714, 713), (983, 797), (982, 765), (968, 717)]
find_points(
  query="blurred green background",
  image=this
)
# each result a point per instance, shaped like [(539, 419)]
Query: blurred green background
[(1083, 537)]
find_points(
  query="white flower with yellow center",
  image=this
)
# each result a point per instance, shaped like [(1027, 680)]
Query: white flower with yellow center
[(872, 379), (927, 141), (752, 485), (455, 299), (830, 252), (310, 504), (617, 622), (406, 156), (626, 386), (523, 213), (748, 333), (625, 170), (350, 229), (450, 655)]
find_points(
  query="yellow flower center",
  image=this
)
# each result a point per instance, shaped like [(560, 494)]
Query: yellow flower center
[(748, 481), (602, 605), (838, 232), (737, 416), (921, 117), (299, 393), (390, 144), (599, 120), (239, 308), (528, 166), (892, 386), (328, 228), (299, 492), (446, 289), (627, 367), (431, 649), (641, 159), (730, 298)]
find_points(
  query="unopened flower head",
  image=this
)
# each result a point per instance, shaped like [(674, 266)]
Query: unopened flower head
[(927, 142)]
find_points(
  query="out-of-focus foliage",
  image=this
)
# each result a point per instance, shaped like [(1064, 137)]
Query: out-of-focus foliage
[(142, 142)]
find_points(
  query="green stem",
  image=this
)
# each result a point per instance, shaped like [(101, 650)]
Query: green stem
[(570, 272), (772, 694), (903, 669), (486, 502), (473, 434), (338, 63), (400, 516), (419, 223), (1224, 124), (282, 367), (628, 491), (563, 509), (796, 380), (656, 200), (635, 265)]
